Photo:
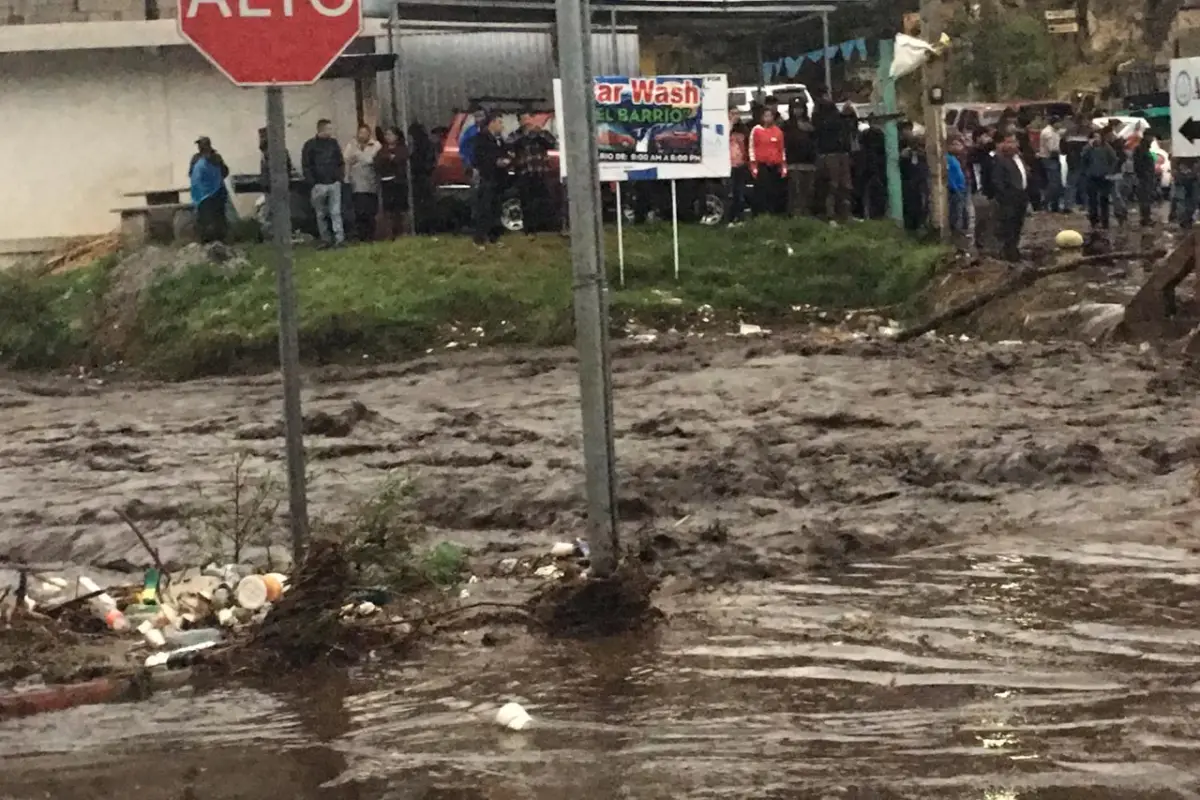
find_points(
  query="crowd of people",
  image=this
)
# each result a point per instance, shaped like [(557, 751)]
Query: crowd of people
[(375, 167), (819, 164), (833, 164), (828, 164)]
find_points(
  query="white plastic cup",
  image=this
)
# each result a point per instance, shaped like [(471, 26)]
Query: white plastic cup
[(513, 716), (563, 549)]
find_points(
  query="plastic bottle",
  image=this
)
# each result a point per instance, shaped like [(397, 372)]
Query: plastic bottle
[(104, 606), (178, 638)]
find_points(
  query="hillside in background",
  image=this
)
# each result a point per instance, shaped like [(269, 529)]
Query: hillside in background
[(1003, 48)]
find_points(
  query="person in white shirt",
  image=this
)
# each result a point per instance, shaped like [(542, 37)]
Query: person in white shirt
[(1049, 154), (364, 183)]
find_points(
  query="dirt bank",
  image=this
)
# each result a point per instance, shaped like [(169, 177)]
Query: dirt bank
[(739, 458)]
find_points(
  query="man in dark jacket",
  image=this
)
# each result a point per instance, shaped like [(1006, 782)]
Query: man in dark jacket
[(491, 160), (324, 170), (1099, 164), (531, 145), (801, 153), (1010, 184), (1145, 173), (834, 141)]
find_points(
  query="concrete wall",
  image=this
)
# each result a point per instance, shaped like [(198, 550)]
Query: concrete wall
[(36, 12), (81, 127)]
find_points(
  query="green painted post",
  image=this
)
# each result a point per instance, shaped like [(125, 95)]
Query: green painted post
[(891, 131)]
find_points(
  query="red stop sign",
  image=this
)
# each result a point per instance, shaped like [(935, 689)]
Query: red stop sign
[(271, 42)]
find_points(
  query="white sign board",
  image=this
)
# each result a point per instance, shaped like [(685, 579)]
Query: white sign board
[(1063, 27), (1185, 108), (662, 128), (1062, 15)]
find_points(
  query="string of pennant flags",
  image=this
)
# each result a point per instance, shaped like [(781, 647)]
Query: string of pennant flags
[(790, 65)]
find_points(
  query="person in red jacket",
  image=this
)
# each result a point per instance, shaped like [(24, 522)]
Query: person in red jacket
[(768, 165)]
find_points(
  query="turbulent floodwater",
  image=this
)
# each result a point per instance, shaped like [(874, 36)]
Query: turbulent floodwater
[(945, 570), (1059, 671)]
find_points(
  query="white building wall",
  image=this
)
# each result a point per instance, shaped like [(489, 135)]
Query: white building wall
[(81, 127)]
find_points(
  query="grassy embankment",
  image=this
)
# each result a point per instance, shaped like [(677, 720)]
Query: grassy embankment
[(397, 299)]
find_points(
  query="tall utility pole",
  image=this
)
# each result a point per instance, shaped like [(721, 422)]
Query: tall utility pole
[(933, 75), (591, 288)]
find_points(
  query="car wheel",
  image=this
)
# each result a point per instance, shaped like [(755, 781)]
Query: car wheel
[(510, 216), (714, 209)]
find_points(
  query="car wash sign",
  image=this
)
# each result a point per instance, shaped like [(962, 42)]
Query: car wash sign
[(655, 120)]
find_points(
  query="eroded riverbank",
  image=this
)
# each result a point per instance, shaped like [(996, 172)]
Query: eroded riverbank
[(786, 451)]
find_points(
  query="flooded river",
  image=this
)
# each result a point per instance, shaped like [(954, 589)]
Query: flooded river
[(949, 570), (1050, 672)]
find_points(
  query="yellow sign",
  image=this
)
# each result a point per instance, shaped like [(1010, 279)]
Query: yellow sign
[(1063, 27)]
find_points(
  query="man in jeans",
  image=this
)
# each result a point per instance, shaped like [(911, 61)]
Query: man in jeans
[(325, 169), (956, 182)]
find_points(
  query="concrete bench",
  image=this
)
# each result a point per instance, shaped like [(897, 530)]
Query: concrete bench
[(168, 222)]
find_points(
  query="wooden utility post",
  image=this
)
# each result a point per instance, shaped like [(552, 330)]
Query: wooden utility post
[(934, 75)]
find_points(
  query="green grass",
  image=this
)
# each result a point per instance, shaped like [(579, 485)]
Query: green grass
[(398, 299)]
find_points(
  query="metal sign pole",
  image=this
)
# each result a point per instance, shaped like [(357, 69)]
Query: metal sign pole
[(289, 343), (401, 113), (591, 302)]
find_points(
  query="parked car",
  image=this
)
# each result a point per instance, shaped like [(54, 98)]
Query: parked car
[(743, 98)]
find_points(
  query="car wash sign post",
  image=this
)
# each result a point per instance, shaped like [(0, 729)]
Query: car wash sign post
[(277, 43), (655, 120), (1185, 108)]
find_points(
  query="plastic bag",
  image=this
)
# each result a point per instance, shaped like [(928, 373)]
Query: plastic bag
[(911, 53)]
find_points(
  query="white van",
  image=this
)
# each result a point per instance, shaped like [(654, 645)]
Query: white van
[(743, 97)]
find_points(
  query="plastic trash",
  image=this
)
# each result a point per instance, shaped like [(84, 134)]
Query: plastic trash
[(153, 635), (178, 638), (104, 606), (255, 591), (179, 658), (563, 549), (513, 716), (912, 53)]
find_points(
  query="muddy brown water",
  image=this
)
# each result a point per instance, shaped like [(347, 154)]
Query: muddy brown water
[(1048, 671), (944, 570)]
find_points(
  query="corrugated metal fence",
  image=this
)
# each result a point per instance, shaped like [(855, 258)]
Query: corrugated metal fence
[(444, 70)]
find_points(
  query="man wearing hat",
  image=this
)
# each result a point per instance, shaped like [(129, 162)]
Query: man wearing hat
[(206, 176)]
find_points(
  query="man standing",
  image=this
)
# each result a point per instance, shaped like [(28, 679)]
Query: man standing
[(1099, 163), (491, 165), (324, 170), (206, 177), (1074, 143), (531, 146), (801, 154), (834, 141), (956, 182), (364, 183), (1010, 185), (466, 141), (1145, 173), (1049, 154)]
